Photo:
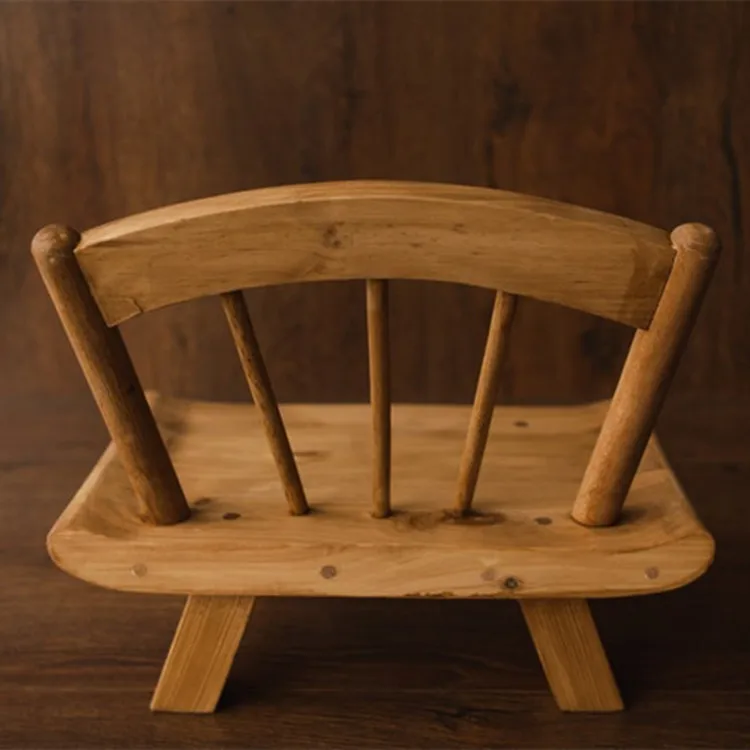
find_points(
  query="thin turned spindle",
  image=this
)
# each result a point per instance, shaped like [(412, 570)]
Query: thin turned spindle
[(644, 380), (112, 379), (259, 383), (380, 394), (484, 399)]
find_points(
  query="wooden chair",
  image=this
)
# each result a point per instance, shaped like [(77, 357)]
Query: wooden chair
[(187, 498)]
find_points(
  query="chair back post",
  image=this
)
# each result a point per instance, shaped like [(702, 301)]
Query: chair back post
[(111, 377), (645, 378)]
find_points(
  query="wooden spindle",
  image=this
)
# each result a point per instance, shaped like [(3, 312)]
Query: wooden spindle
[(259, 383), (644, 380), (112, 379), (380, 394), (484, 399)]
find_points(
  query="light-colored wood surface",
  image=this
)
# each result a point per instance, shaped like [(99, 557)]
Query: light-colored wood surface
[(522, 543), (484, 399), (530, 246), (572, 655), (261, 389), (378, 342), (112, 379), (645, 378), (201, 653)]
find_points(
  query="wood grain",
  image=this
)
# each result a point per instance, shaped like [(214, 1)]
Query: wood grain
[(256, 374), (368, 673), (555, 252), (202, 653), (484, 399), (645, 378), (521, 543), (112, 379), (378, 339), (572, 654)]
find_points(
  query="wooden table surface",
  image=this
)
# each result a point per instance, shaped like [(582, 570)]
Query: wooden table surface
[(78, 664)]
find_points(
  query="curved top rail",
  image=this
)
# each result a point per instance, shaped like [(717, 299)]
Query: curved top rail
[(584, 259)]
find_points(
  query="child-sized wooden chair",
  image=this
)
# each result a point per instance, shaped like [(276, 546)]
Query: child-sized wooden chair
[(187, 498)]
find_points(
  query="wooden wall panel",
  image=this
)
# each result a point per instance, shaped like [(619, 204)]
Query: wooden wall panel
[(112, 108)]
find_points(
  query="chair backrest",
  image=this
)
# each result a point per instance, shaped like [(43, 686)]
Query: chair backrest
[(517, 245)]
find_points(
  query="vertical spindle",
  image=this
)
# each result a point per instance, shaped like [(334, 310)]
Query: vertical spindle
[(261, 389), (484, 399), (380, 394)]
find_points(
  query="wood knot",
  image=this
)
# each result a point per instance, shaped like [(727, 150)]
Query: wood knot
[(331, 236), (424, 521)]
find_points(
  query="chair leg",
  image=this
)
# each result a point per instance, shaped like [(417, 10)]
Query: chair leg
[(572, 655), (201, 653)]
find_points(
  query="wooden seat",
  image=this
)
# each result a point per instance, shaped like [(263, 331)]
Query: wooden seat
[(546, 505), (520, 542)]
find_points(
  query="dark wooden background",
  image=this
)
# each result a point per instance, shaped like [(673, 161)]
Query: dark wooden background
[(111, 108)]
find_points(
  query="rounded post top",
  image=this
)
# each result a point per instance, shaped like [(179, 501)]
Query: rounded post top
[(697, 238), (54, 240)]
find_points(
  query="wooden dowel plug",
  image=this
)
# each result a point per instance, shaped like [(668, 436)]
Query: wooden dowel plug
[(259, 383)]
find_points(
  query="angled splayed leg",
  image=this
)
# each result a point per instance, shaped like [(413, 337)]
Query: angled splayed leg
[(572, 655), (201, 653)]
